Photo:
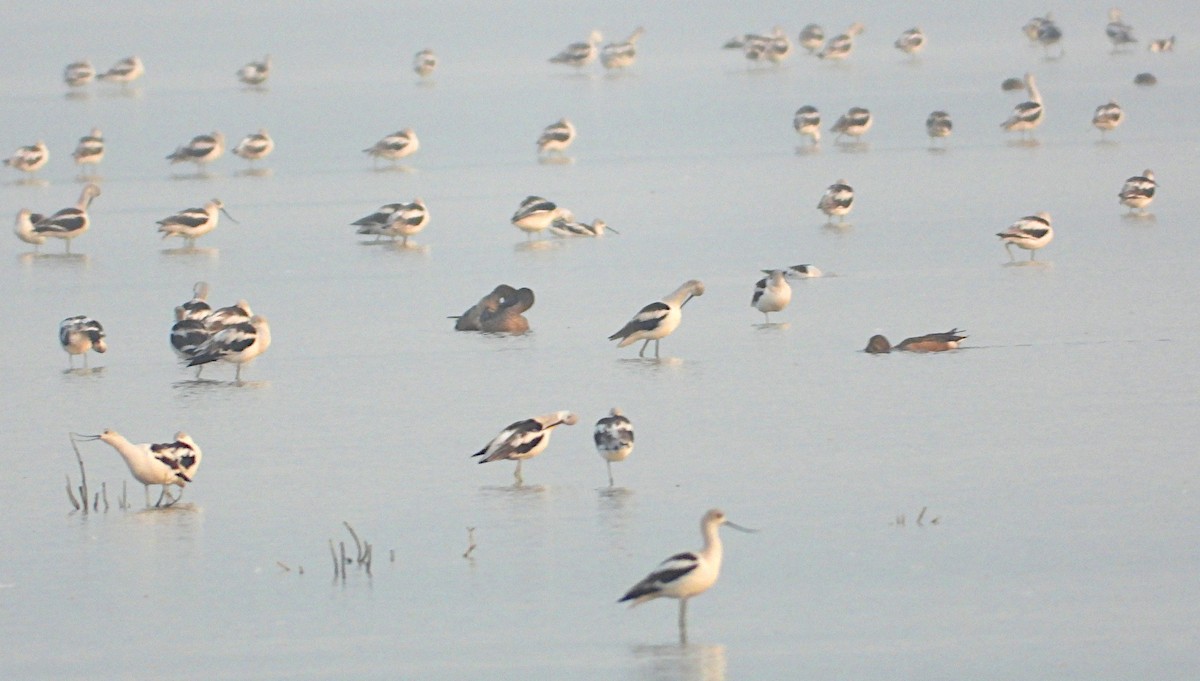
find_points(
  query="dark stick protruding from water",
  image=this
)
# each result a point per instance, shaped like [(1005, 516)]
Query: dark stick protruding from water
[(71, 494), (470, 542)]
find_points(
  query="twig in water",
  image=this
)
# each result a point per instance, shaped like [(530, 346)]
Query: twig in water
[(124, 503), (367, 559), (104, 495), (470, 542), (342, 549), (83, 493), (333, 555), (358, 547), (71, 494), (281, 564), (921, 516), (96, 503), (392, 555)]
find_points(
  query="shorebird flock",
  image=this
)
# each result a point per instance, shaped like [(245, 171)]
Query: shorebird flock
[(201, 335)]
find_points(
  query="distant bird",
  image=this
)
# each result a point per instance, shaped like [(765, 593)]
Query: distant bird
[(566, 225), (658, 320), (621, 55), (24, 228), (237, 344), (1107, 117), (508, 316), (779, 47), (373, 223), (524, 439), (580, 54), (1029, 114), (1118, 32), (395, 146), (1012, 84), (938, 125), (614, 439), (407, 219), (79, 334), (1138, 191), (687, 574), (193, 223), (201, 150), (772, 293), (69, 223), (125, 71), (840, 46), (90, 150), (166, 464), (424, 62), (1162, 45), (837, 200), (79, 73), (855, 123), (1145, 79), (197, 308), (1030, 233), (255, 146), (807, 121), (224, 317), (469, 320), (1031, 27), (556, 137), (255, 73), (933, 342), (29, 159), (535, 214), (1048, 33), (812, 37), (188, 335), (911, 41)]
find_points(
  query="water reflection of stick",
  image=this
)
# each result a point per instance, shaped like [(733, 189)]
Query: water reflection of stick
[(470, 542)]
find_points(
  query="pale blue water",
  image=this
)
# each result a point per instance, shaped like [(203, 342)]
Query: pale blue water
[(1056, 451)]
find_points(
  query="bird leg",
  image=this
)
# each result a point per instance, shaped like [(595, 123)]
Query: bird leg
[(610, 478), (1008, 247), (85, 360), (656, 341), (517, 474), (147, 490), (642, 352), (683, 620), (158, 503)]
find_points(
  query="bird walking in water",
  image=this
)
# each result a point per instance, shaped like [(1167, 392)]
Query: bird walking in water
[(1030, 232), (79, 334), (69, 223), (687, 574), (614, 439), (166, 464), (658, 320), (524, 439)]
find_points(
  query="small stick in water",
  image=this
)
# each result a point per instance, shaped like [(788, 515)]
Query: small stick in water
[(71, 494), (357, 544), (281, 564), (470, 542)]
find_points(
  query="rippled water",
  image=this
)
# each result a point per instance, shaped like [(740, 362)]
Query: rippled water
[(1022, 508)]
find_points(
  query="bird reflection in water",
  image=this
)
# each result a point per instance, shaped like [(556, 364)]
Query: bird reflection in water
[(682, 662)]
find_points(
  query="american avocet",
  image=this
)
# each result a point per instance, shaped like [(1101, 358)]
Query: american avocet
[(69, 223), (686, 574), (237, 344), (1107, 117), (837, 200), (223, 317), (931, 342), (408, 219), (1012, 84), (1030, 232), (803, 272), (166, 464), (79, 73), (614, 439), (623, 54), (1050, 34), (508, 316), (579, 54), (193, 223), (125, 71), (535, 214), (24, 228), (1145, 79), (911, 41), (424, 62), (1029, 114), (371, 224), (556, 137), (255, 72), (807, 121), (1031, 27), (855, 123), (938, 125), (1138, 191), (779, 47), (840, 47), (1118, 32), (771, 293), (395, 146), (469, 320), (566, 225), (201, 150), (255, 146), (79, 334), (1162, 45), (198, 307), (812, 37), (29, 159), (524, 439), (188, 334), (90, 150), (658, 320)]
